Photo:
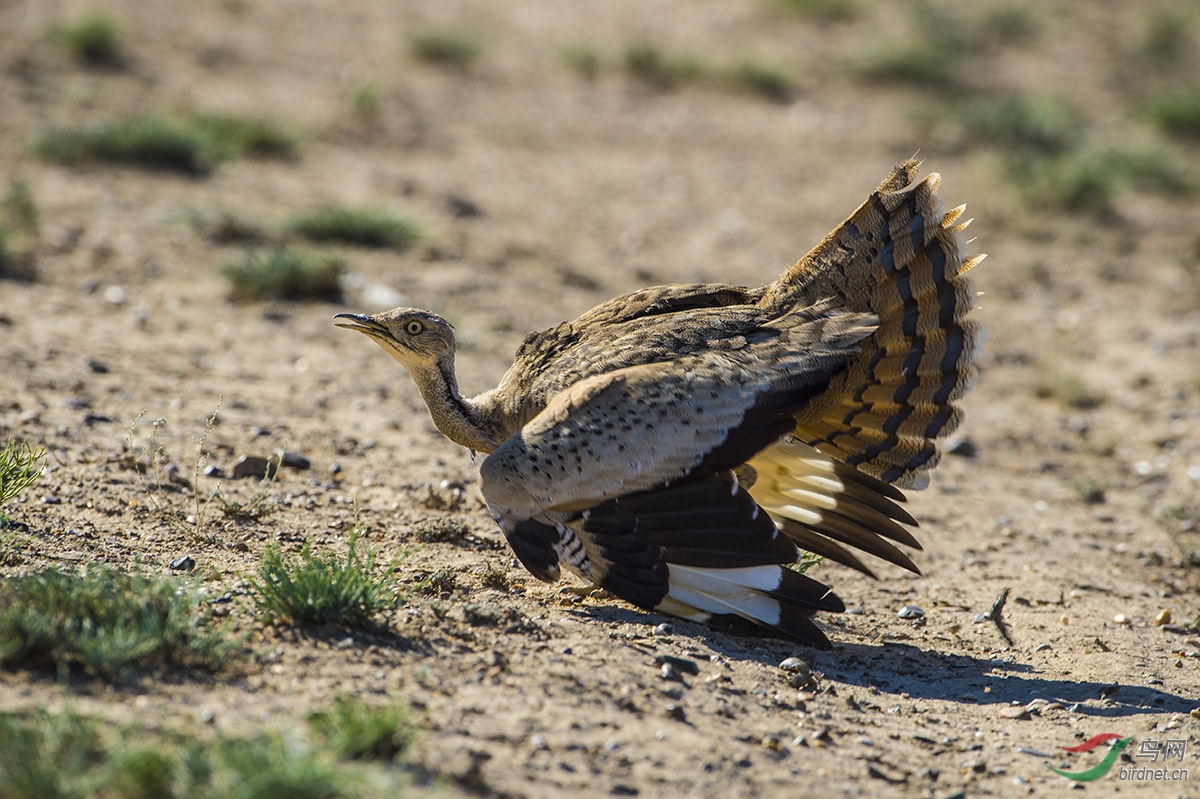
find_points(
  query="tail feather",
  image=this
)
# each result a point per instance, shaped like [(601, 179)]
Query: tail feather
[(770, 595), (900, 257)]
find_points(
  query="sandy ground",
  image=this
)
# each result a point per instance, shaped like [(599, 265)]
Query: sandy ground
[(586, 189)]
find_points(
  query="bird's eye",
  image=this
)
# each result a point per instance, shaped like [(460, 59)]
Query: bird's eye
[(414, 327)]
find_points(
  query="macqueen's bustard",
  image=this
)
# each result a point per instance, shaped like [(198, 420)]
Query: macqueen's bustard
[(676, 445)]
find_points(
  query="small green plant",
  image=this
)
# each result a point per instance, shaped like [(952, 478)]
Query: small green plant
[(1177, 113), (447, 48), (1089, 490), (94, 39), (105, 622), (19, 208), (21, 465), (806, 561), (441, 528), (226, 227), (769, 80), (1070, 389), (1020, 123), (649, 63), (322, 589), (582, 59), (355, 730), (361, 226), (1011, 25), (1088, 180), (1168, 37), (67, 756), (285, 274), (366, 100), (823, 10), (918, 63), (193, 144)]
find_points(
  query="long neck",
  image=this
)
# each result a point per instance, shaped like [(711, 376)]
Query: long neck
[(454, 415)]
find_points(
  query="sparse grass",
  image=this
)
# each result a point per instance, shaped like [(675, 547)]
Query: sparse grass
[(1089, 180), (94, 39), (106, 622), (649, 63), (322, 589), (285, 274), (1038, 125), (769, 80), (1089, 490), (361, 226), (1011, 25), (441, 528), (582, 59), (1070, 389), (1168, 37), (67, 756), (824, 10), (930, 57), (355, 730), (1177, 113), (21, 465), (366, 100), (191, 144), (19, 208), (447, 48), (227, 227), (918, 63)]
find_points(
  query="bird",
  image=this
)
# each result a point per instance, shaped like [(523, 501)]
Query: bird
[(681, 447)]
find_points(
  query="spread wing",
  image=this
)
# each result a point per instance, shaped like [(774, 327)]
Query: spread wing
[(616, 476)]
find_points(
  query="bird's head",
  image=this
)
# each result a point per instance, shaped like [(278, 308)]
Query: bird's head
[(416, 339)]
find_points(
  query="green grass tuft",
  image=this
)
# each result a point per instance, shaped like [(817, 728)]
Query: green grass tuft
[(366, 100), (21, 465), (1177, 113), (66, 756), (285, 274), (1090, 180), (94, 39), (364, 227), (446, 47), (355, 730), (19, 208), (105, 622), (648, 63), (322, 589), (918, 63), (769, 80), (824, 10), (1040, 125), (191, 144), (582, 59)]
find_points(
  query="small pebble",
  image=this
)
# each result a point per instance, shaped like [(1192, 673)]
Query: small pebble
[(345, 643), (1163, 617), (184, 564), (539, 742), (1121, 618), (293, 460), (1015, 713), (669, 672), (911, 612), (207, 716), (50, 499), (664, 629), (676, 711), (682, 664), (255, 466), (213, 471), (116, 295)]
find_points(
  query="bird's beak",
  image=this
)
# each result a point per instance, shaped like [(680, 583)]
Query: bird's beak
[(362, 323)]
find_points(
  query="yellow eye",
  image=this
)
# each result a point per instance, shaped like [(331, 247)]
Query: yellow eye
[(414, 327)]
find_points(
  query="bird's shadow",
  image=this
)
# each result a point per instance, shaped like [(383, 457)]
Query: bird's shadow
[(893, 669)]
